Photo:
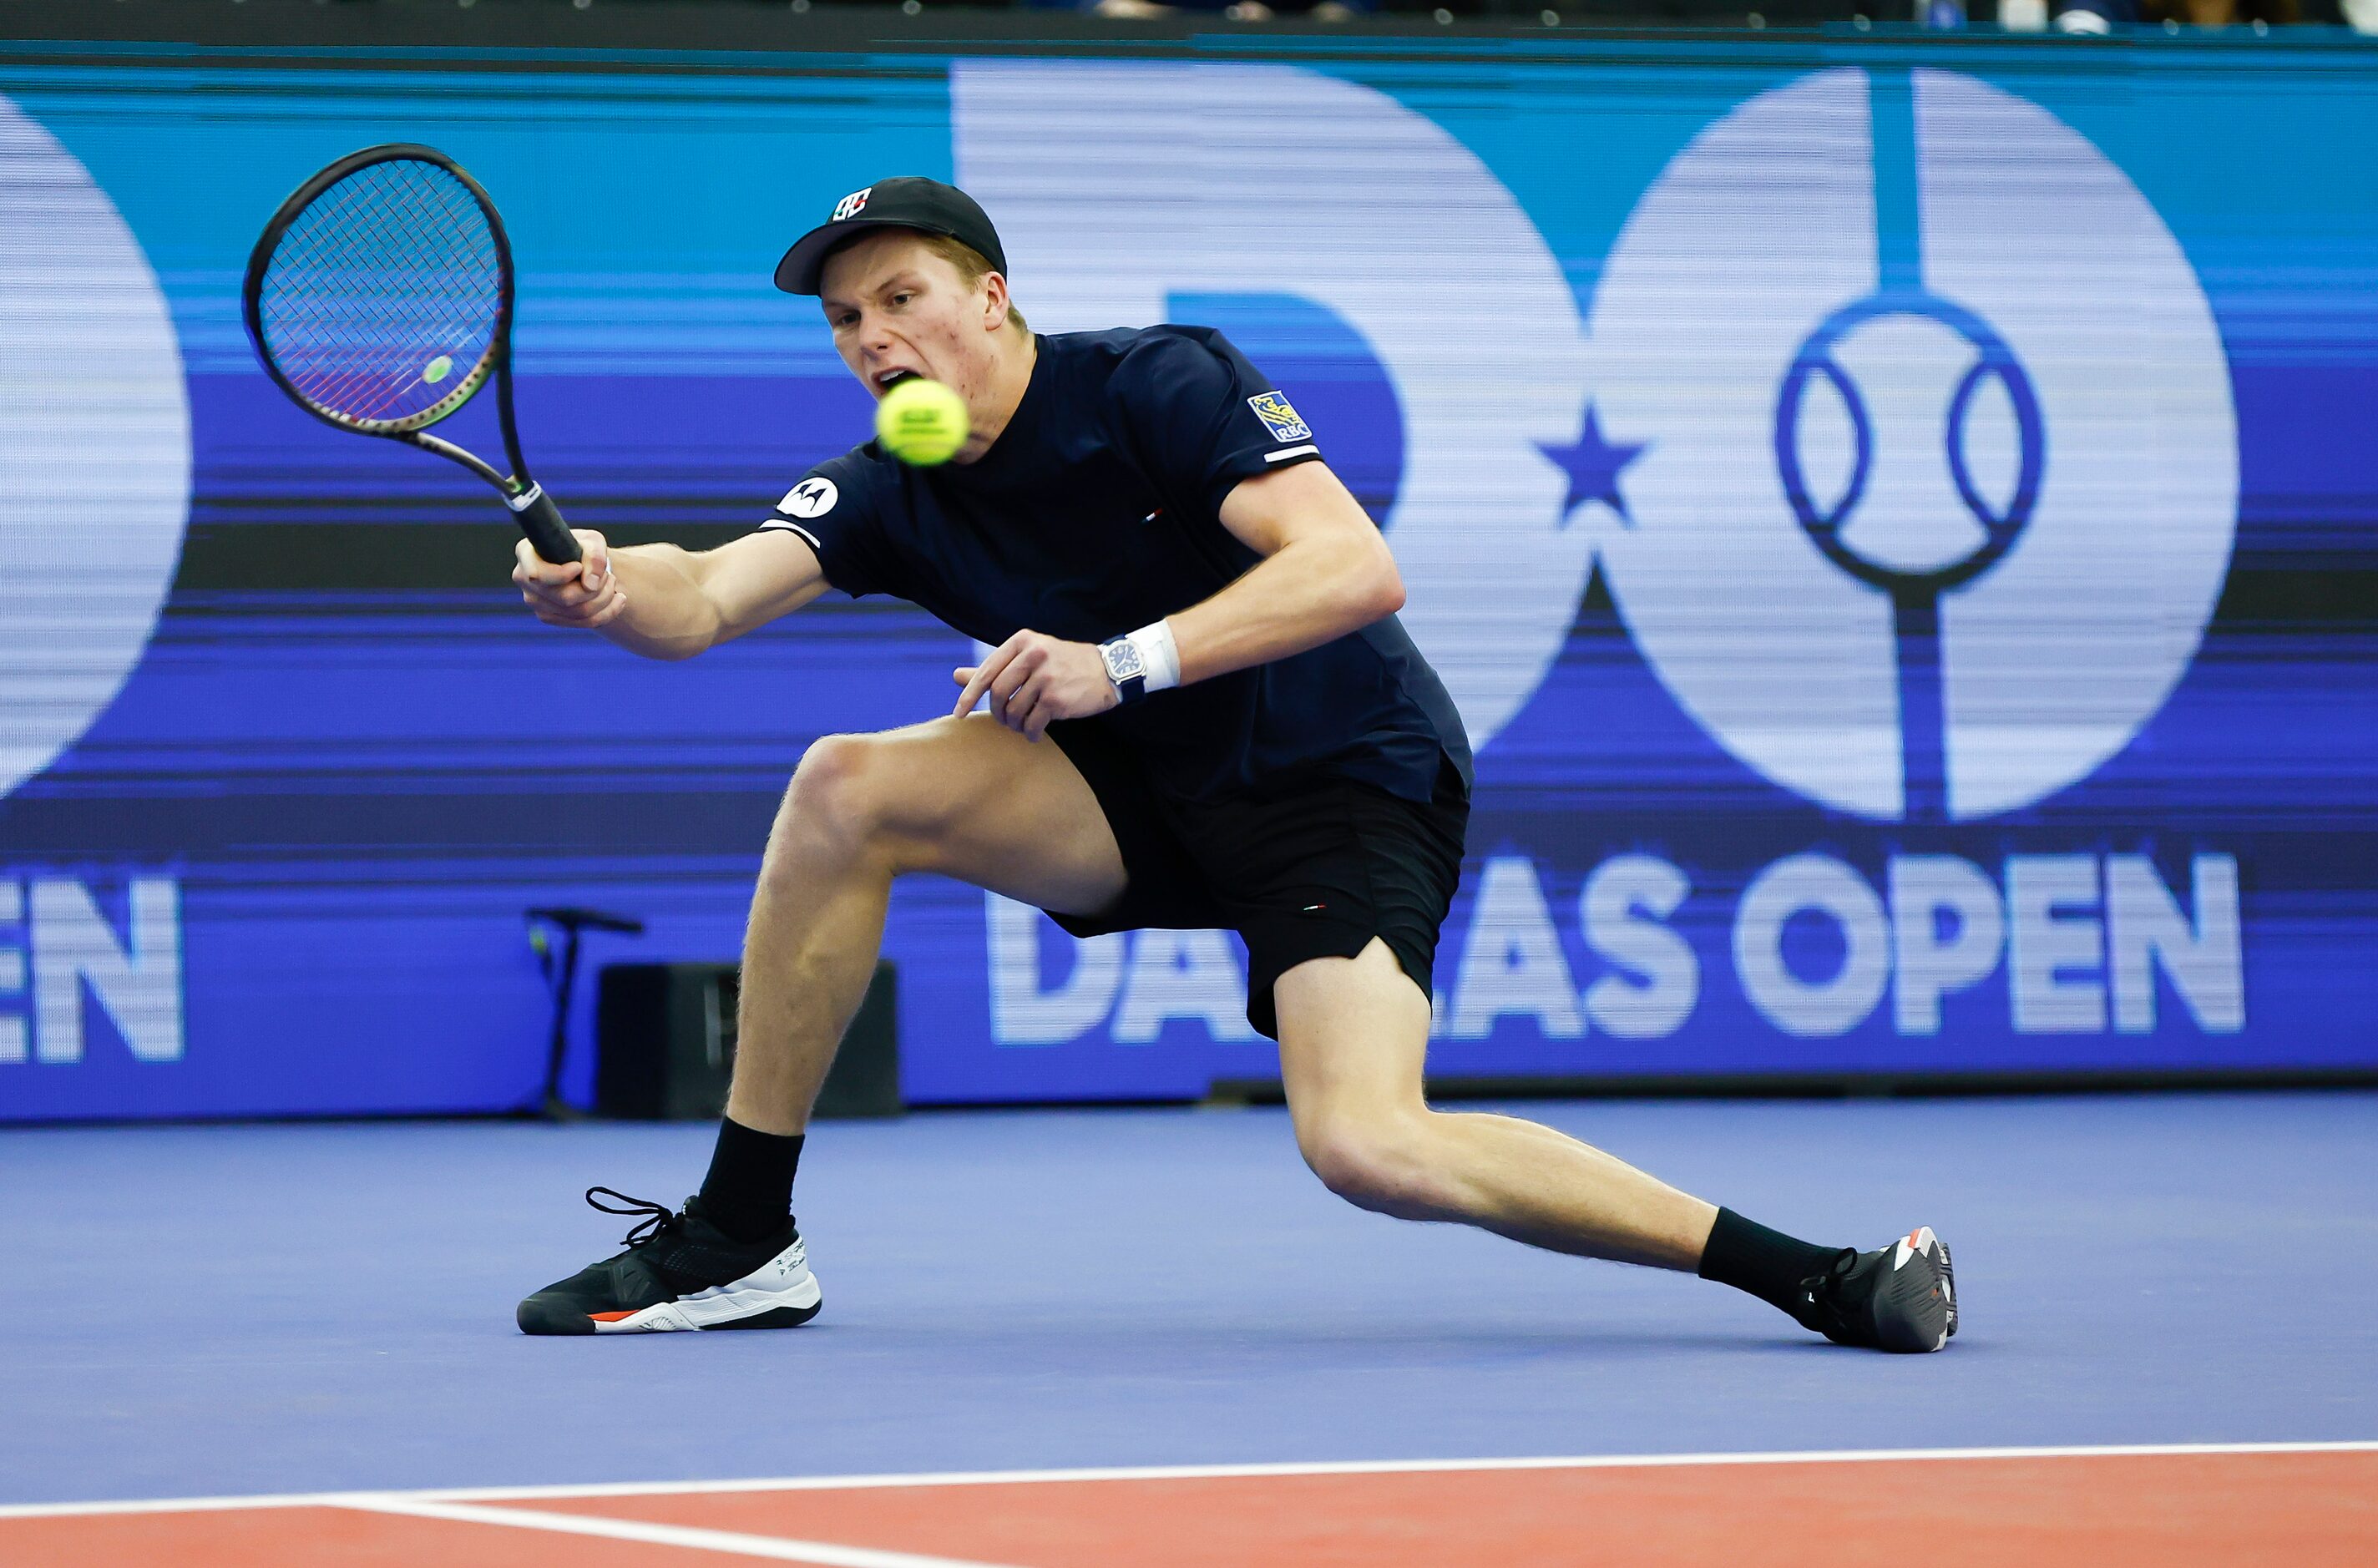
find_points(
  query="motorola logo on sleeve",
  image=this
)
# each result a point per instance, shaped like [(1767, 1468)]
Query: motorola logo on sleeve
[(1939, 476), (94, 492), (814, 497)]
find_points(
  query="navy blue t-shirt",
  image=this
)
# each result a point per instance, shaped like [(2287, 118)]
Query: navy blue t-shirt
[(1097, 511)]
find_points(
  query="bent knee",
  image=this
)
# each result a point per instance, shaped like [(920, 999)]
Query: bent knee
[(837, 792), (1382, 1163)]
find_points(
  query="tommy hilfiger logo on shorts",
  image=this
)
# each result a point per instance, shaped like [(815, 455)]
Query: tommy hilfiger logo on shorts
[(852, 204), (1279, 417)]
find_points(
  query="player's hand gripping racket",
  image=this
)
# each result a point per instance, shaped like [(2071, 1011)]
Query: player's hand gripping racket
[(380, 298)]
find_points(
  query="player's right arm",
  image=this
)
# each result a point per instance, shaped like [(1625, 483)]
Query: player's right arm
[(665, 603)]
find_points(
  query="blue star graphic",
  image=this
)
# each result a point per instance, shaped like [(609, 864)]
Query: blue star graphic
[(1593, 465)]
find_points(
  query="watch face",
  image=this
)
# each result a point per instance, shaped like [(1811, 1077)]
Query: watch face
[(1124, 662)]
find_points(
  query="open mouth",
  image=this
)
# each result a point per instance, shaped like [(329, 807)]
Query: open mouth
[(887, 379)]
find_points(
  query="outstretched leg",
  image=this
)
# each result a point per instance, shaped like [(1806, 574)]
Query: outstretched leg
[(1353, 1033)]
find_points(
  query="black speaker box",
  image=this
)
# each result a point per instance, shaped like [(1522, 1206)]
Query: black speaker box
[(665, 1045)]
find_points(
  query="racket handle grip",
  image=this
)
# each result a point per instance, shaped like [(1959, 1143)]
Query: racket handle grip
[(541, 521)]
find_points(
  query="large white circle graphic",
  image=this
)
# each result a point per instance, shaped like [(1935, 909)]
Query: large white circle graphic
[(94, 448), (1925, 535), (1115, 184)]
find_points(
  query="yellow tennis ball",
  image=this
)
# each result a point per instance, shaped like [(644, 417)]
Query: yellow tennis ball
[(437, 369), (921, 422)]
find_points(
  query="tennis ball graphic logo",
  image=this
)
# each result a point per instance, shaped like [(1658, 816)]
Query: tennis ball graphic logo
[(921, 422), (1900, 537)]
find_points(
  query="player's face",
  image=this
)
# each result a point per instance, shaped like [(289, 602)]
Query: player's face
[(898, 309)]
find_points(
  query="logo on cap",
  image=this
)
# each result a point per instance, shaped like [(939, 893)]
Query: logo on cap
[(850, 206)]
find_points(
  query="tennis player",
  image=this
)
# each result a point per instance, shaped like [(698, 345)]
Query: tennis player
[(1202, 713)]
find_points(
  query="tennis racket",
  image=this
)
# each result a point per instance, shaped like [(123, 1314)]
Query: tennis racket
[(379, 297)]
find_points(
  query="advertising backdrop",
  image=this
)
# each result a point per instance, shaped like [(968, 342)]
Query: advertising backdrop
[(1898, 523)]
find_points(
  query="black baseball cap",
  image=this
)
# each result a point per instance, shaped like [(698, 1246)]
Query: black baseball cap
[(908, 201)]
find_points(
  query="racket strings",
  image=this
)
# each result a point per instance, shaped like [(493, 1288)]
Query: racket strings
[(395, 262), (407, 270), (382, 296)]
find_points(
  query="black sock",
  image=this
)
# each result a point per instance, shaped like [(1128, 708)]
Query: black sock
[(1766, 1262), (748, 1191)]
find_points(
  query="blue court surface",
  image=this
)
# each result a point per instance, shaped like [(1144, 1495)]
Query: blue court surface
[(235, 1310)]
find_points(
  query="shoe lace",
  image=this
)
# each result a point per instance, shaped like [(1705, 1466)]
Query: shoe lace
[(658, 1219), (1817, 1291)]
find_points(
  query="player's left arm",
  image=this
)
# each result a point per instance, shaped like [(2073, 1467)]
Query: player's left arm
[(1325, 571)]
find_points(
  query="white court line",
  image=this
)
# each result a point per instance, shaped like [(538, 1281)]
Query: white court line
[(1159, 1473), (776, 1548)]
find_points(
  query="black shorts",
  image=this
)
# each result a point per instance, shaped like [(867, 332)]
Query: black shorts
[(1315, 870)]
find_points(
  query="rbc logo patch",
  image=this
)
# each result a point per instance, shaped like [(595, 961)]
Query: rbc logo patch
[(852, 204), (1279, 417)]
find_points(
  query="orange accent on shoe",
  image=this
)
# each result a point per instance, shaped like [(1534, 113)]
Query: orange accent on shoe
[(609, 1317)]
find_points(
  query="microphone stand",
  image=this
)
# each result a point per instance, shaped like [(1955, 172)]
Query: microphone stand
[(560, 978)]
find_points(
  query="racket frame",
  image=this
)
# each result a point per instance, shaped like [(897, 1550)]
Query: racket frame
[(531, 507)]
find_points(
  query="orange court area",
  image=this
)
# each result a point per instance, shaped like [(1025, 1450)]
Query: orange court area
[(2295, 1508)]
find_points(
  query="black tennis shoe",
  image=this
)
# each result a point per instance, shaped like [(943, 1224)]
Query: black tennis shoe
[(1903, 1297), (679, 1271)]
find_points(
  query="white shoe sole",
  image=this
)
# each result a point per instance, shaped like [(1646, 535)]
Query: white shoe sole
[(781, 1293)]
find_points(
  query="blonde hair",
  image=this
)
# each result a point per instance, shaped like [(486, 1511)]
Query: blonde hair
[(971, 265)]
